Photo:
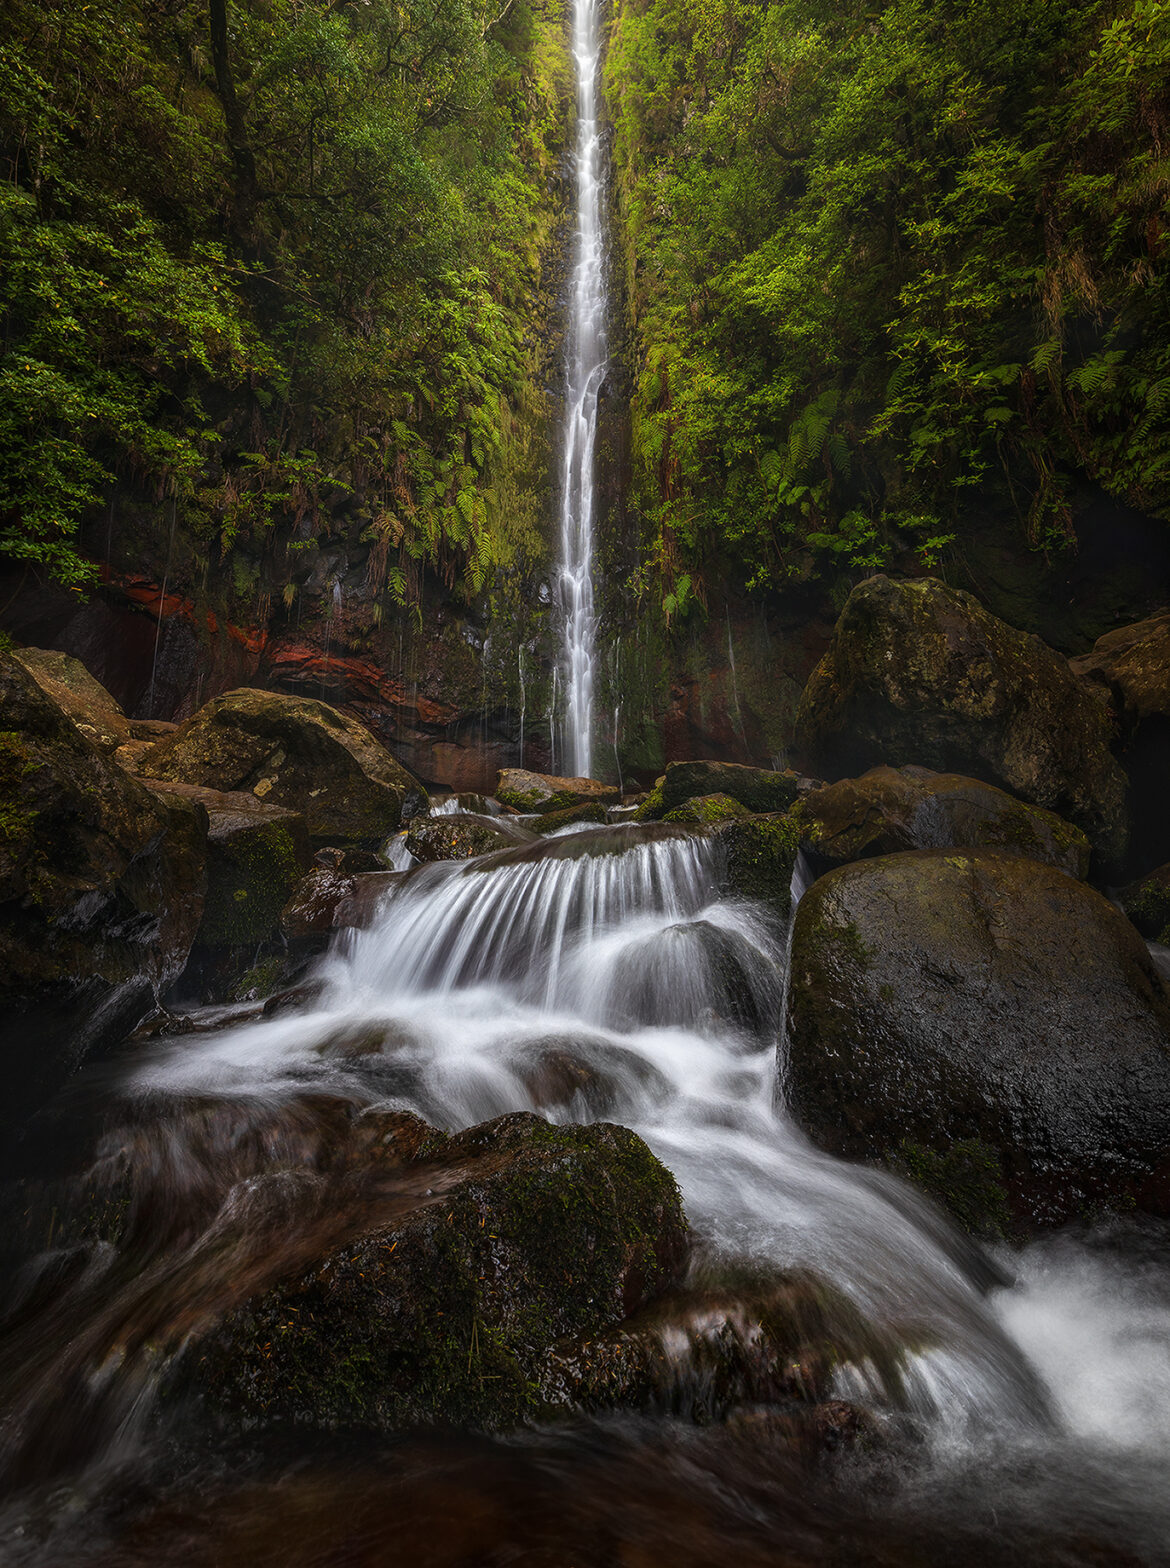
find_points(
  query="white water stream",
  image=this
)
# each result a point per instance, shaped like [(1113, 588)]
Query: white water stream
[(586, 371)]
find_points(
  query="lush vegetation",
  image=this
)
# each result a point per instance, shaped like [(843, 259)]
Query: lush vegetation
[(271, 260), (887, 264)]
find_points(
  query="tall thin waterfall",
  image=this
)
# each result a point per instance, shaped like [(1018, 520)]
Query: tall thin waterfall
[(586, 370)]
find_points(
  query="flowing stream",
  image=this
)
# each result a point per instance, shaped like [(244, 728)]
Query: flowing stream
[(1032, 1420), (586, 371)]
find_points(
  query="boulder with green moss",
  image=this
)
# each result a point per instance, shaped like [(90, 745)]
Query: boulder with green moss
[(256, 855), (97, 714), (891, 809), (920, 673), (544, 792), (707, 808), (757, 789), (296, 753), (1147, 903), (944, 996), (444, 1302), (101, 891), (760, 858), (587, 811)]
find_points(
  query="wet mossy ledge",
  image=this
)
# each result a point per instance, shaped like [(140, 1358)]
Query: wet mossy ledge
[(515, 1237)]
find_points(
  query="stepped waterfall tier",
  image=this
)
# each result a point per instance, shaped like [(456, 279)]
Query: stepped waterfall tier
[(586, 370), (252, 1188)]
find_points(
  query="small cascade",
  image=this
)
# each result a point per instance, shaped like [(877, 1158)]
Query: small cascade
[(586, 371)]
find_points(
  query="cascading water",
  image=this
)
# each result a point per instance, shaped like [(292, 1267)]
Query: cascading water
[(586, 371), (613, 950)]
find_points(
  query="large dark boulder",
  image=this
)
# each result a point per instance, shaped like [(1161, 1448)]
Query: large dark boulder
[(946, 997), (256, 855), (445, 1306), (297, 753), (891, 809), (1132, 665), (101, 892), (921, 673)]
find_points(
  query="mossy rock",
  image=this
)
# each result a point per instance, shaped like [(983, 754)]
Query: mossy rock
[(707, 808), (918, 673), (761, 855), (967, 1179), (652, 808), (252, 871), (523, 790), (891, 809), (1147, 903), (66, 680), (101, 890), (519, 1235), (757, 789), (943, 996), (296, 753), (587, 811)]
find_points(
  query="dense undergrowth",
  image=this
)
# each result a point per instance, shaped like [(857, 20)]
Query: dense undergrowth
[(272, 260), (888, 264)]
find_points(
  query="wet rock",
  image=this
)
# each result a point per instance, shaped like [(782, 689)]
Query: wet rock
[(707, 808), (920, 673), (710, 1350), (349, 861), (1132, 665), (942, 996), (1147, 903), (101, 891), (520, 1234), (327, 901), (758, 789), (891, 809), (761, 855), (525, 791), (66, 680), (256, 854), (295, 753), (588, 811), (454, 838)]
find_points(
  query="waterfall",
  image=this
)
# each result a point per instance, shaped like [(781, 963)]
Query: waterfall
[(586, 371), (599, 976)]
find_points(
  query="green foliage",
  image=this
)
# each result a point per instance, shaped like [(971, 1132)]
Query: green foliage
[(887, 263), (275, 274)]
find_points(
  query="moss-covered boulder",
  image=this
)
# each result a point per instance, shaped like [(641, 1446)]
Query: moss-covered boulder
[(296, 753), (757, 789), (101, 891), (891, 809), (921, 673), (1147, 903), (501, 1242), (707, 808), (1131, 665), (587, 811), (256, 855), (944, 996), (97, 714), (454, 838), (543, 792), (760, 858)]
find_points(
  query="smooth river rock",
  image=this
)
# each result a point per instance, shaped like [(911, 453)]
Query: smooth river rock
[(297, 753), (891, 809), (945, 997), (544, 792), (920, 673)]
